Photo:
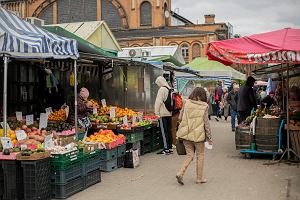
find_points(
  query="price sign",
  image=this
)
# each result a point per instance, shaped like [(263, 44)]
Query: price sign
[(21, 135), (85, 122), (49, 110), (103, 102), (49, 143), (112, 112), (29, 119), (95, 111), (6, 143), (140, 116), (125, 120), (133, 119), (43, 121), (7, 125), (19, 116)]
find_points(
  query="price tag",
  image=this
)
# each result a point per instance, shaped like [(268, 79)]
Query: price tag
[(29, 120), (140, 116), (125, 120), (95, 111), (6, 143), (133, 119), (49, 143), (43, 121), (7, 125), (103, 102), (19, 116), (49, 110), (85, 122), (112, 112), (21, 135), (23, 146)]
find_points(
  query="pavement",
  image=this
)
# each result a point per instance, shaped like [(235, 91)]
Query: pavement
[(230, 177)]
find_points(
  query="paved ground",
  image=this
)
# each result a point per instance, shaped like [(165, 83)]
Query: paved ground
[(230, 177)]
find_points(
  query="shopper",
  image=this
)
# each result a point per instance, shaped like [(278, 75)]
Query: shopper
[(82, 110), (218, 99), (194, 129), (165, 115), (246, 100), (225, 105), (269, 100), (209, 102), (232, 101)]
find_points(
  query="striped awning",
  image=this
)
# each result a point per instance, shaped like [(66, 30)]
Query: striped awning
[(21, 39)]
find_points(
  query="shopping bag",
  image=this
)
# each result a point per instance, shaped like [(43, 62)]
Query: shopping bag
[(180, 147), (132, 159)]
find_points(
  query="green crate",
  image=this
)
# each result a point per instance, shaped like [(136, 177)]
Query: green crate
[(92, 154), (134, 137), (121, 150), (109, 154), (65, 161)]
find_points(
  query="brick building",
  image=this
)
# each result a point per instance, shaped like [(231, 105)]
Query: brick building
[(134, 22)]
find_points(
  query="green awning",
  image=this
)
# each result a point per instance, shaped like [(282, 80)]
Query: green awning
[(83, 45), (170, 59), (213, 68)]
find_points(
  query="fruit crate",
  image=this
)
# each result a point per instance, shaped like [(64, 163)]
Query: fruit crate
[(12, 180), (147, 139), (110, 165), (134, 137), (121, 150), (92, 178), (63, 176), (37, 179), (120, 161), (109, 154), (145, 148), (148, 130), (91, 163), (63, 191), (64, 161)]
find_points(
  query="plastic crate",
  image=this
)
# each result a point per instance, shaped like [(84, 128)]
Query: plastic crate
[(145, 148), (63, 176), (64, 161), (91, 164), (109, 154), (120, 161), (121, 150), (134, 137), (12, 180), (64, 191), (148, 130), (147, 140), (37, 179), (92, 178), (110, 165)]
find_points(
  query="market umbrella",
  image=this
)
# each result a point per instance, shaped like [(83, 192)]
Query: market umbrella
[(281, 46), (21, 39)]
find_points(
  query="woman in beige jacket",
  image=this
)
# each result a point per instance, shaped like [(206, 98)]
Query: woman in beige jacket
[(194, 129)]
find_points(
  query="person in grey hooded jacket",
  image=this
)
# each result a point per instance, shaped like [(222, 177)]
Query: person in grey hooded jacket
[(165, 116)]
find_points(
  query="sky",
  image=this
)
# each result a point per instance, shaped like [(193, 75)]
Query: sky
[(247, 16)]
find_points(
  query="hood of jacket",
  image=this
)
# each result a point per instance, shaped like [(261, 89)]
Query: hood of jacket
[(161, 82)]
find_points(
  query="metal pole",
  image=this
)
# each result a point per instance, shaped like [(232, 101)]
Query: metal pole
[(288, 113), (5, 95), (75, 97)]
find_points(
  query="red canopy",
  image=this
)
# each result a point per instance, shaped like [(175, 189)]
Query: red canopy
[(281, 46)]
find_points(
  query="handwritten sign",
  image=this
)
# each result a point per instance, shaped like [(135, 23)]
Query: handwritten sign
[(49, 143), (103, 102), (19, 116), (29, 119), (43, 121), (49, 110), (95, 111), (140, 116), (21, 135), (112, 112), (6, 143), (7, 125), (125, 120), (85, 122), (133, 119)]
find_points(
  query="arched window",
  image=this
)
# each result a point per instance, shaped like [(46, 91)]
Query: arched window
[(196, 50), (185, 50), (146, 14), (173, 44)]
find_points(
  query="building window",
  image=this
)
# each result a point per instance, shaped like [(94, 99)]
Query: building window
[(185, 50), (196, 50), (146, 14)]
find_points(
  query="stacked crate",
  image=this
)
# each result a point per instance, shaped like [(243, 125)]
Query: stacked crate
[(121, 155), (147, 138), (156, 141), (109, 159)]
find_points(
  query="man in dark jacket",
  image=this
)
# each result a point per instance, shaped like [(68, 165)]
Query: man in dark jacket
[(246, 100), (232, 101), (218, 99)]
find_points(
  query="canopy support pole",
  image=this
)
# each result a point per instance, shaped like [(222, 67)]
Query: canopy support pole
[(75, 98), (5, 58)]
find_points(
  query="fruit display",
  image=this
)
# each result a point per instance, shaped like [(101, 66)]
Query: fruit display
[(120, 112), (59, 126), (92, 103), (105, 119), (105, 136), (273, 112), (59, 115), (150, 117), (11, 134)]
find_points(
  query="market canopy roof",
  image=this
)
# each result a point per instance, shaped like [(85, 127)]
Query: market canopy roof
[(211, 68), (20, 39), (281, 46)]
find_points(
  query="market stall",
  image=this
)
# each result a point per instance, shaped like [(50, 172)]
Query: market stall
[(281, 46)]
